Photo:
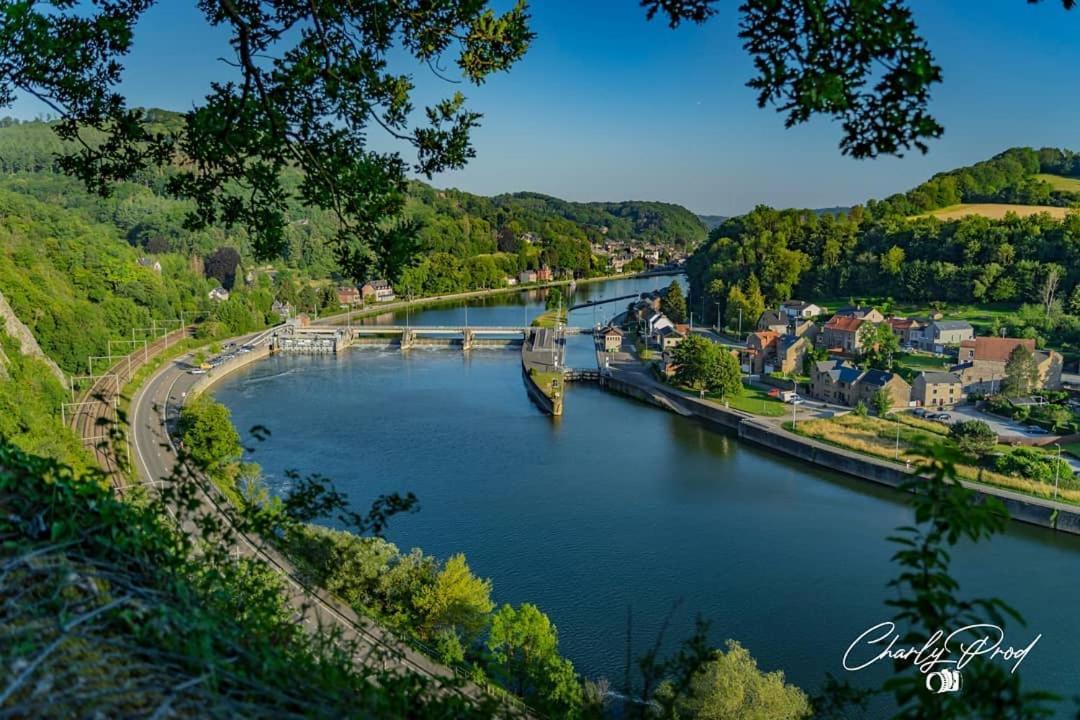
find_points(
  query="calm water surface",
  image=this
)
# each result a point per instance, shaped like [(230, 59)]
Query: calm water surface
[(619, 509)]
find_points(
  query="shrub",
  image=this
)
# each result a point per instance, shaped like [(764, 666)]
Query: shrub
[(973, 436)]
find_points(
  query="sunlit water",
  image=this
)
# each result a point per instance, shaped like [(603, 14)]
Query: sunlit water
[(617, 513)]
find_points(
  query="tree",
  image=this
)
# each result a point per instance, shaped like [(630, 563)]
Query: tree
[(1049, 287), (457, 601), (554, 299), (525, 657), (730, 686), (892, 262), (221, 265), (208, 434), (727, 381), (879, 343), (697, 362), (312, 80), (673, 302), (973, 436), (882, 401), (1021, 373), (1074, 300)]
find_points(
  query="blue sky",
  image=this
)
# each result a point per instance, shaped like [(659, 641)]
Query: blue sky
[(606, 106)]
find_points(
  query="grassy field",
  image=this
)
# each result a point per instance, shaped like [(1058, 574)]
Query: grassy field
[(877, 437), (756, 402), (994, 211), (548, 382), (1059, 182), (923, 362), (547, 319)]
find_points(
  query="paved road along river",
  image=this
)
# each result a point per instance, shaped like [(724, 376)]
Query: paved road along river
[(618, 505)]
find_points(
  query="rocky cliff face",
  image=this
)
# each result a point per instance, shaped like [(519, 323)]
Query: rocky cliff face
[(15, 328)]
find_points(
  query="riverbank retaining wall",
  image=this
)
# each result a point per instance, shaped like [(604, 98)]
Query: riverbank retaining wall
[(219, 373), (752, 429)]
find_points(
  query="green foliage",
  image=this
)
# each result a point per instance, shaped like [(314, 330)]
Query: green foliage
[(210, 438), (1021, 373), (121, 615), (731, 686), (673, 303), (30, 409), (974, 437), (457, 601), (1036, 465), (861, 410), (524, 648), (882, 401), (880, 345), (245, 135), (704, 365)]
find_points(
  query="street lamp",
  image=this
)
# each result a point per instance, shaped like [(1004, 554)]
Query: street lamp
[(1057, 469)]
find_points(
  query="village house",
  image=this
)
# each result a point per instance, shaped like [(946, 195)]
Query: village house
[(348, 296), (937, 389), (941, 334), (151, 263), (510, 281), (527, 276), (657, 322), (862, 313), (758, 357), (281, 309), (773, 321), (800, 309), (983, 361), (835, 381), (544, 274), (790, 352), (218, 294), (871, 381), (652, 257), (909, 331), (841, 333), (668, 338), (612, 338), (377, 290)]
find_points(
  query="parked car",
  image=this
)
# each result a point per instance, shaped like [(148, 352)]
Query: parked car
[(919, 412), (1035, 430), (795, 400), (943, 417)]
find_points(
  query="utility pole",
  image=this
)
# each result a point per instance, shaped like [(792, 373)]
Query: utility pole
[(740, 323), (897, 455), (794, 405), (717, 323)]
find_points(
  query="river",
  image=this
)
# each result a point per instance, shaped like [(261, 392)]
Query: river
[(620, 510)]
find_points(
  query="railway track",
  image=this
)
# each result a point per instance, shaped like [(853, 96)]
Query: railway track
[(96, 410)]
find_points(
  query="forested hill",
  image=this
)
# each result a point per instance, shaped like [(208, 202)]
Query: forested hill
[(894, 251), (1020, 176)]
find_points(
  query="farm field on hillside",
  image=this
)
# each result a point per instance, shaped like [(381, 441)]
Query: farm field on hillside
[(994, 211), (1060, 182)]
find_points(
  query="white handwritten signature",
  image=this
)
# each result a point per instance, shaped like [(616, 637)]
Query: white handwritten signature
[(882, 642)]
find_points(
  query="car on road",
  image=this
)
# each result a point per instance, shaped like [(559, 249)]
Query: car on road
[(1035, 430), (196, 371), (919, 412), (795, 400)]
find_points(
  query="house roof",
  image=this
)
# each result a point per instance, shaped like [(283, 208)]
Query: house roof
[(853, 311), (839, 370), (995, 349), (879, 378), (952, 324), (786, 342), (668, 330), (903, 323), (765, 337), (611, 330), (844, 323), (378, 284), (939, 378), (796, 304), (771, 317)]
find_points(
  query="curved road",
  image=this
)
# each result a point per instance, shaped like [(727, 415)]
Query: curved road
[(154, 411)]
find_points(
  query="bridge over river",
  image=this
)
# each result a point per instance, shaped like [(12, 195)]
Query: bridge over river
[(321, 339)]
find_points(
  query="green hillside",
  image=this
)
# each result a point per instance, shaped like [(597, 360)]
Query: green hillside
[(1018, 176)]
